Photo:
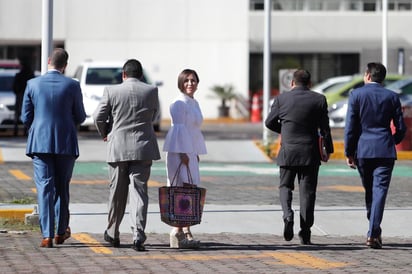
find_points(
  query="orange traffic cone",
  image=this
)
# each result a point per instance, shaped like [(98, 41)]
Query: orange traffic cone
[(256, 115)]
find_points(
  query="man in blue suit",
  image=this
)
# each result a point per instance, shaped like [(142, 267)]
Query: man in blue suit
[(370, 143), (52, 109)]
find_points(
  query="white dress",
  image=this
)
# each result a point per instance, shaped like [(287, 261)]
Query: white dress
[(184, 136)]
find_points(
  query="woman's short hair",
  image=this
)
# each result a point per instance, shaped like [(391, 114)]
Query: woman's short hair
[(182, 77)]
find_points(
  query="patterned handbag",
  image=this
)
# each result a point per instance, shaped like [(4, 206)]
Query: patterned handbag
[(181, 206)]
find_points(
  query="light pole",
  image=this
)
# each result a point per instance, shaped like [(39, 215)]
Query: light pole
[(385, 33), (47, 33), (266, 69)]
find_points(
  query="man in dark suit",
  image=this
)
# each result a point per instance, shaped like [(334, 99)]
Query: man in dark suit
[(19, 86), (124, 119), (370, 144), (300, 115), (52, 109)]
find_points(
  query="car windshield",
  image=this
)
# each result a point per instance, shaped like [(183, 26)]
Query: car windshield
[(334, 87), (104, 76), (6, 83), (395, 86)]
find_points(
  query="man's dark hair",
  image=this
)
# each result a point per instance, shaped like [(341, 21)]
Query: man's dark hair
[(301, 77), (132, 68), (377, 72), (59, 58)]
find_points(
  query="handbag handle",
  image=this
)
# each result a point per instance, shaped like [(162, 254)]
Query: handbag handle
[(189, 175)]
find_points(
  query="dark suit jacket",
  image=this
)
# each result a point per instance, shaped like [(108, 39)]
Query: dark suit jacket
[(299, 115), (52, 109), (371, 109)]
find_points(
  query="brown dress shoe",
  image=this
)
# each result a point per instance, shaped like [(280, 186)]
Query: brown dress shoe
[(375, 243), (47, 243), (59, 239)]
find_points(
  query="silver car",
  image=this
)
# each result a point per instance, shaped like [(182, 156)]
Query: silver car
[(338, 110)]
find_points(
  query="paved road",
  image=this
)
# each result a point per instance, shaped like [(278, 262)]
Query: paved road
[(241, 227)]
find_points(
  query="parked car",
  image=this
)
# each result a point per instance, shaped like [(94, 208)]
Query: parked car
[(7, 98), (338, 110), (403, 88), (341, 92), (93, 77), (331, 83), (12, 64)]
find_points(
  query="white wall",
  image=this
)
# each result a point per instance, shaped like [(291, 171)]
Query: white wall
[(213, 37), (210, 36)]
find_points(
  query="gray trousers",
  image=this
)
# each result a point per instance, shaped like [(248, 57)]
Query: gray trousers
[(128, 178)]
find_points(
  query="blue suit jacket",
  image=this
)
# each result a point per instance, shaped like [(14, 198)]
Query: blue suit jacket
[(52, 109), (368, 134)]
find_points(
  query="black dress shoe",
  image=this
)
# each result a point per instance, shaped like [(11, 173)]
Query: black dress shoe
[(113, 242), (304, 237), (138, 246), (288, 229)]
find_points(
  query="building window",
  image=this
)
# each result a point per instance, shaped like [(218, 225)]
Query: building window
[(332, 5), (404, 5), (369, 6), (257, 5)]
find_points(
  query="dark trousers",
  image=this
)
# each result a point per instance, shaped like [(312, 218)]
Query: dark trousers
[(376, 176), (52, 175), (307, 180)]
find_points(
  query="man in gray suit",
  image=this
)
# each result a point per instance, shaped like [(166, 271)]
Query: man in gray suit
[(124, 119)]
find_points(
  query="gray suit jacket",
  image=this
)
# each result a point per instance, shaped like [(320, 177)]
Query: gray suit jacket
[(124, 115)]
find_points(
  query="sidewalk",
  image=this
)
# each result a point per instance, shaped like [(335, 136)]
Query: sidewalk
[(245, 219)]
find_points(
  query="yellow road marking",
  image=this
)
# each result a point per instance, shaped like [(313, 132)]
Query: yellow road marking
[(91, 243), (155, 184), (343, 188), (20, 175), (298, 259), (305, 260)]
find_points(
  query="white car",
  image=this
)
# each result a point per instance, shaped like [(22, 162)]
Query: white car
[(93, 77), (7, 98), (337, 114), (331, 83)]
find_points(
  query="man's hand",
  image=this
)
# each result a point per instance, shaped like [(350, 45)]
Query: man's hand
[(350, 161)]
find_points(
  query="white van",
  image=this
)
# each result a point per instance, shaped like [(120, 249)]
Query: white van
[(93, 77)]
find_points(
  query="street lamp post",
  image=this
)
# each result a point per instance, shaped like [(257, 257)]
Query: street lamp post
[(266, 69), (47, 33)]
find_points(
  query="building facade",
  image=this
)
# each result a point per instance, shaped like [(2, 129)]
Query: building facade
[(222, 40)]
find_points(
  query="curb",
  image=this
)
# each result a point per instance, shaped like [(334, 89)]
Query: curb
[(339, 153), (15, 213)]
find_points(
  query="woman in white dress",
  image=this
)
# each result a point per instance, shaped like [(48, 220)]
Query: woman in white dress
[(183, 144)]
